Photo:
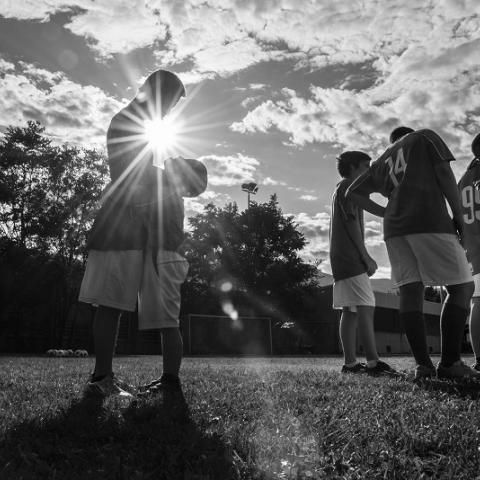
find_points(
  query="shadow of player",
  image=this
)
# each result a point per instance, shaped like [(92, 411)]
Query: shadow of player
[(151, 438)]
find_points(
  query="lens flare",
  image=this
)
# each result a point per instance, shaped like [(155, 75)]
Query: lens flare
[(161, 134)]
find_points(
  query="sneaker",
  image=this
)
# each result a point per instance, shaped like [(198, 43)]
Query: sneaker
[(148, 386), (381, 368), (457, 371), (106, 387), (358, 368), (422, 372), (124, 385), (161, 386)]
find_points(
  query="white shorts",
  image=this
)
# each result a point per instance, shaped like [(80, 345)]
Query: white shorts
[(117, 278), (476, 279), (353, 292), (431, 258)]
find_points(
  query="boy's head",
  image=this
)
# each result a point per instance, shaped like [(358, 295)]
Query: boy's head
[(399, 132), (160, 92), (476, 146), (188, 176), (353, 163)]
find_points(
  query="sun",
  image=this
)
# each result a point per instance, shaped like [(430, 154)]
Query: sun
[(161, 134)]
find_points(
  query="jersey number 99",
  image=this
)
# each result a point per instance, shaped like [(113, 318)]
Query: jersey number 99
[(471, 203)]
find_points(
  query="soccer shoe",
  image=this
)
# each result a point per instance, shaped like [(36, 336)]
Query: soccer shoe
[(457, 371), (381, 368), (423, 372), (106, 387), (161, 386), (124, 385), (358, 368), (148, 386)]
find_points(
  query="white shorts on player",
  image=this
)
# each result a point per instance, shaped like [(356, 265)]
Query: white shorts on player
[(118, 278), (353, 292), (431, 258)]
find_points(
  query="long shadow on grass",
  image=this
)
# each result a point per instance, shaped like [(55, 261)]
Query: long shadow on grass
[(153, 438)]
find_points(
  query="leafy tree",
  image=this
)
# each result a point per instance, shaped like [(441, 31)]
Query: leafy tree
[(48, 192), (256, 251)]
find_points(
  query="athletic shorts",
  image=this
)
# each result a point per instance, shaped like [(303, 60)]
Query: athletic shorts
[(431, 258), (353, 292), (118, 278)]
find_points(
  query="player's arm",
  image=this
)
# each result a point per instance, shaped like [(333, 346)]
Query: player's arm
[(359, 193), (355, 235), (448, 185)]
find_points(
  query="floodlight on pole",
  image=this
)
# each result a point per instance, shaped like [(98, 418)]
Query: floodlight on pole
[(251, 188)]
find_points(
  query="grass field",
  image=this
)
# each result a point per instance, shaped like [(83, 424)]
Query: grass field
[(245, 418)]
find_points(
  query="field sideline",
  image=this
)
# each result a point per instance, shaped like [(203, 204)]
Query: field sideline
[(245, 418)]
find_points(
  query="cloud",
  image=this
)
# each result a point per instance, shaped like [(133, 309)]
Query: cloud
[(230, 170), (309, 198), (270, 181), (73, 113)]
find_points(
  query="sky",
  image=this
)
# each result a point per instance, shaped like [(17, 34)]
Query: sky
[(275, 89)]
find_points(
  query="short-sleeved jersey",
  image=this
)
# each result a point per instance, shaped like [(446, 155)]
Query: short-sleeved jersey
[(469, 187), (405, 174), (140, 208), (345, 257)]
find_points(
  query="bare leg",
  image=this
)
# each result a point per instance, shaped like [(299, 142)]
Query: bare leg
[(475, 326), (348, 335), (105, 331), (172, 351), (366, 331)]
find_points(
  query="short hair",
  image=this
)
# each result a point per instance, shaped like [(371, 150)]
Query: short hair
[(353, 158), (476, 146), (164, 86), (399, 132)]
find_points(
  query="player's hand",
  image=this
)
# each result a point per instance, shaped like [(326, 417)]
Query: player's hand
[(459, 227), (371, 266)]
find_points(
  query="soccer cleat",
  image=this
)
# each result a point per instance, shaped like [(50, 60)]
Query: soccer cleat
[(358, 368), (423, 372), (148, 386), (124, 385), (161, 386), (106, 387), (381, 368), (457, 371)]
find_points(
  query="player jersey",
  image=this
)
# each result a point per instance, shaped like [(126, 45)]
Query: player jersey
[(133, 216), (345, 257), (405, 174), (469, 187)]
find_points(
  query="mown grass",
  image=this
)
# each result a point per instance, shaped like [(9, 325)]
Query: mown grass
[(242, 419)]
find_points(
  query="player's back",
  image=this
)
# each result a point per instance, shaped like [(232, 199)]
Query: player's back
[(470, 196), (405, 174)]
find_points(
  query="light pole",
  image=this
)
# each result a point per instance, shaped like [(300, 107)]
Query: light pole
[(251, 188)]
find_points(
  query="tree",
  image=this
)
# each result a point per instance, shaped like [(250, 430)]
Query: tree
[(48, 192), (256, 252)]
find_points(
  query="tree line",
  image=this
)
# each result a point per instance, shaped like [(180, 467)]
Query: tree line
[(247, 261)]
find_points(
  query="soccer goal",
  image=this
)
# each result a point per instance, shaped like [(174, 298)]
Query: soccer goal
[(222, 335)]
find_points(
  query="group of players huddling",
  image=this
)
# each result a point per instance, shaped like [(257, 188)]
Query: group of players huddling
[(426, 247)]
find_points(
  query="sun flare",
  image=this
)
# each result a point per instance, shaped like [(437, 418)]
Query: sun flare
[(161, 134)]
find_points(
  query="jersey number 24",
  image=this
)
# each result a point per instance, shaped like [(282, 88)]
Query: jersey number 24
[(397, 167)]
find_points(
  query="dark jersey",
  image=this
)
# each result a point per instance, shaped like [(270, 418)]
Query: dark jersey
[(140, 209), (470, 195), (345, 257), (405, 174)]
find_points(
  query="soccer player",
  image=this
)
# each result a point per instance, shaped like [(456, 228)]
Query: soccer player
[(134, 242), (469, 186), (351, 267), (422, 241)]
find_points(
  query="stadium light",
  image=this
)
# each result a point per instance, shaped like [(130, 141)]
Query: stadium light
[(251, 188)]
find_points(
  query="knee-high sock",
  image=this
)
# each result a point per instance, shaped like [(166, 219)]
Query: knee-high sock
[(452, 326), (414, 325)]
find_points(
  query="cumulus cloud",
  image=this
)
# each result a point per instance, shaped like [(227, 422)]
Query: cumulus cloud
[(308, 198), (271, 181), (70, 112), (230, 170)]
